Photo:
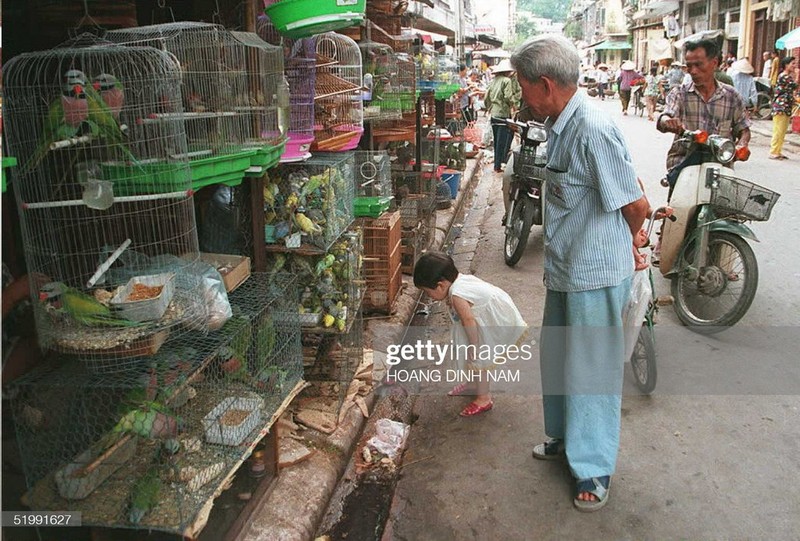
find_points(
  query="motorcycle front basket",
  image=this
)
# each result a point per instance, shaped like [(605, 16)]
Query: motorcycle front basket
[(739, 197), (525, 163)]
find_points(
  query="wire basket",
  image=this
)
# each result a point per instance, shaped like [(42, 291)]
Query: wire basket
[(527, 165), (736, 196)]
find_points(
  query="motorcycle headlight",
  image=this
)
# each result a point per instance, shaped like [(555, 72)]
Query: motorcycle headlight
[(724, 149)]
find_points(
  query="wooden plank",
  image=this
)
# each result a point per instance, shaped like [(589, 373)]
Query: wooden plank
[(258, 222)]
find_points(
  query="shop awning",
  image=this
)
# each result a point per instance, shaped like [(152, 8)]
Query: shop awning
[(493, 53), (656, 9), (490, 40), (607, 45), (790, 40), (705, 34)]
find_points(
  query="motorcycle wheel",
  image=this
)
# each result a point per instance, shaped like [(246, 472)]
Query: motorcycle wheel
[(643, 361), (724, 290), (517, 230), (639, 106)]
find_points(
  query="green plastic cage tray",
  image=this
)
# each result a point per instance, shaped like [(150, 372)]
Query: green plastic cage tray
[(303, 18), (370, 207), (8, 161)]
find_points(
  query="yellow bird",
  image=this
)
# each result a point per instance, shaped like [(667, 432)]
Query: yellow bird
[(306, 224)]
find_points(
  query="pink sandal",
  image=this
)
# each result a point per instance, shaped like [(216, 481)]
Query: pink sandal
[(475, 409)]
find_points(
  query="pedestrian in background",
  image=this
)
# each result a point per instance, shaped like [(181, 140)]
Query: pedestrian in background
[(775, 69), (744, 83), (675, 75), (482, 315), (627, 74), (463, 95), (594, 209), (602, 80), (654, 88), (767, 69), (502, 101), (782, 105)]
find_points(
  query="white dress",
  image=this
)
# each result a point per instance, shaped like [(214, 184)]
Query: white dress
[(499, 322)]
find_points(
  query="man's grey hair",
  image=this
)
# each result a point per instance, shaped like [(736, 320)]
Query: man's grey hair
[(551, 55)]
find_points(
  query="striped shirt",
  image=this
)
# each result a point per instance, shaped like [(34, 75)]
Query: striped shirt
[(723, 114), (589, 178)]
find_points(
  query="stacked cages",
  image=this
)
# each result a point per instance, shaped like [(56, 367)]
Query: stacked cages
[(382, 257), (312, 200), (114, 250), (300, 71), (151, 448), (229, 107), (382, 90), (338, 106)]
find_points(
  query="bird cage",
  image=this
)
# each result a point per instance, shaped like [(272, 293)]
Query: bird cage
[(373, 176), (338, 106), (381, 86), (309, 203), (300, 71), (105, 200), (263, 89), (427, 66), (151, 449), (216, 94), (407, 82), (447, 77)]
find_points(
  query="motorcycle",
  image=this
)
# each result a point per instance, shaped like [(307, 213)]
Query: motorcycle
[(704, 251), (526, 170)]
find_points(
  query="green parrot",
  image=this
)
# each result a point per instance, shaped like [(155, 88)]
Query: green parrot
[(105, 125), (144, 495), (81, 307), (324, 263)]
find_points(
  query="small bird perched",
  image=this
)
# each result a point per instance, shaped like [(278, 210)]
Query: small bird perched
[(81, 307), (110, 89), (306, 224)]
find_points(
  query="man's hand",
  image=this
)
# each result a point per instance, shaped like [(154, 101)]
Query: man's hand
[(669, 124)]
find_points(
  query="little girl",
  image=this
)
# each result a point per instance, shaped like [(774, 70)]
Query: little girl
[(482, 315)]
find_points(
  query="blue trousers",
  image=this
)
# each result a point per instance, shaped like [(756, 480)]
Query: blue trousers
[(581, 354), (503, 137)]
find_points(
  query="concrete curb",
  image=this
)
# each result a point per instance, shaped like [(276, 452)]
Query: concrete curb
[(764, 129), (295, 505)]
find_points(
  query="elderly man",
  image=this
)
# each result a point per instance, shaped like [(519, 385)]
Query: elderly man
[(594, 208)]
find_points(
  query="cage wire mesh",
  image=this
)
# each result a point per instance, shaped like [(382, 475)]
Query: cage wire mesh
[(415, 194), (258, 101), (313, 200), (338, 105), (382, 88), (218, 90), (382, 255), (407, 82), (300, 71), (373, 175), (150, 449), (113, 250)]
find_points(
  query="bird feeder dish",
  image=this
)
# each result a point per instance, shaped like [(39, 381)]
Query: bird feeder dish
[(304, 18)]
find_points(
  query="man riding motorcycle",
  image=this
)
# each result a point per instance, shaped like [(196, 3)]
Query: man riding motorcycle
[(704, 104)]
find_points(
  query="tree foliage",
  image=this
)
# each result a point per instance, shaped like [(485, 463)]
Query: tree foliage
[(557, 10)]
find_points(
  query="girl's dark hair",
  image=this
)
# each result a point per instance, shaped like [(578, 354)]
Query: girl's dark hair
[(786, 61), (432, 267), (653, 70)]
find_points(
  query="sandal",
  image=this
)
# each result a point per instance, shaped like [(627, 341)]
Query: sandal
[(474, 409), (549, 450), (459, 389), (597, 486)]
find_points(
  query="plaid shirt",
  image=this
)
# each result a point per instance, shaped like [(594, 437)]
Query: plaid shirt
[(723, 114)]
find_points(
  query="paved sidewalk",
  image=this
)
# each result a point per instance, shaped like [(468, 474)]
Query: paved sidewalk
[(764, 128)]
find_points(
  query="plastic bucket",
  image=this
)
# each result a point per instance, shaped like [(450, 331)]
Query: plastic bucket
[(453, 179)]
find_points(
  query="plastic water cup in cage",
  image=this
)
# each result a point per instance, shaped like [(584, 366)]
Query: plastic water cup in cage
[(98, 194), (293, 240)]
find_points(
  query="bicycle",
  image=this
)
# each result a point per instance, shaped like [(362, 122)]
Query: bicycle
[(637, 93)]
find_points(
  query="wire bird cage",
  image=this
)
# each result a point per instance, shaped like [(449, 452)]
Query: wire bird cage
[(228, 105), (102, 203), (338, 106), (407, 82), (373, 175), (329, 311), (152, 448), (312, 200), (382, 88), (415, 193), (300, 71)]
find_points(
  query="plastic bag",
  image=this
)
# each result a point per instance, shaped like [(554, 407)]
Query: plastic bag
[(389, 438), (634, 311), (215, 296)]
